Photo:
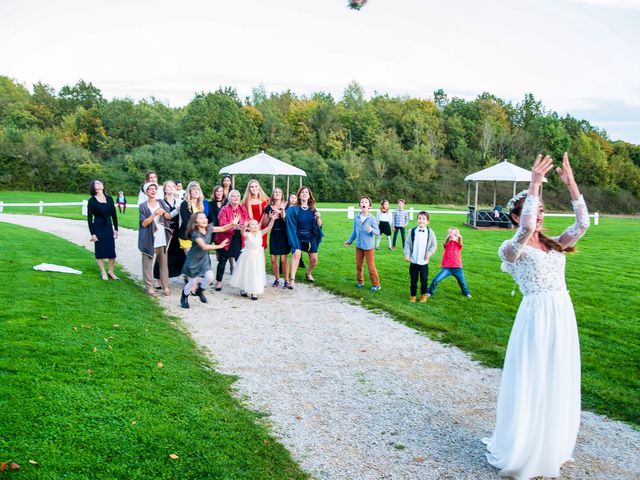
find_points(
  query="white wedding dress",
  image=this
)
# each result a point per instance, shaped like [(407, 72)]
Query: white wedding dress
[(539, 403), (250, 274)]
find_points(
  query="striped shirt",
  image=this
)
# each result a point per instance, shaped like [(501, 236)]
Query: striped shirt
[(400, 218)]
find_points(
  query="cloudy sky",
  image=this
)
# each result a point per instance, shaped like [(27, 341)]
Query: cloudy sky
[(576, 56)]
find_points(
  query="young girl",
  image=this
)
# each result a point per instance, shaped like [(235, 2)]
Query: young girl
[(250, 275), (451, 263), (365, 227), (122, 202), (385, 219), (278, 241), (197, 264)]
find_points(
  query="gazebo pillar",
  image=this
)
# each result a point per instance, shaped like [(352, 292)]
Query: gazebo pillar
[(494, 193), (287, 188), (475, 211)]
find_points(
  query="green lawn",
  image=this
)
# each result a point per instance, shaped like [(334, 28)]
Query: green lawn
[(603, 277), (98, 383)]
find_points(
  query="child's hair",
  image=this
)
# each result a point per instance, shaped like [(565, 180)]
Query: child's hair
[(382, 207), (450, 232), (247, 229), (401, 200), (546, 241), (187, 196), (191, 224), (368, 199), (424, 213), (272, 200)]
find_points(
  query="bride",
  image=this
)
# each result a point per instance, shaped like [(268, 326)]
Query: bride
[(539, 402)]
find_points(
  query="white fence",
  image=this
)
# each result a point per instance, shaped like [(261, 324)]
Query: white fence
[(349, 210)]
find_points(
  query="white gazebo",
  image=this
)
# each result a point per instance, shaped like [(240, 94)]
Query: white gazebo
[(501, 172), (263, 164)]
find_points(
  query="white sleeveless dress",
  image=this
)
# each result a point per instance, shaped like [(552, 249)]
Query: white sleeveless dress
[(250, 272), (539, 402)]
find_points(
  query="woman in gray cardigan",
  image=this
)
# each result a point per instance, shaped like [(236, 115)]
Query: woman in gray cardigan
[(153, 237)]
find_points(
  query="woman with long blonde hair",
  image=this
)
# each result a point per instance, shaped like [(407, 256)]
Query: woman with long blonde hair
[(255, 201)]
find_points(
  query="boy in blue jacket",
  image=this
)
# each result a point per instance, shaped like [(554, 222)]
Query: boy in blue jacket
[(365, 228)]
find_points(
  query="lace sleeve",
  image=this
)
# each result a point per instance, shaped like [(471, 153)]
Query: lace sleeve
[(510, 250), (572, 234)]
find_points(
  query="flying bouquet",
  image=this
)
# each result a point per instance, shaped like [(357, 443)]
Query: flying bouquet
[(356, 4)]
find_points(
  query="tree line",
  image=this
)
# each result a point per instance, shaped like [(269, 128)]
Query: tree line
[(386, 147)]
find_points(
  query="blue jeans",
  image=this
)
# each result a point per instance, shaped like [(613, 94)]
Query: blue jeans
[(446, 272)]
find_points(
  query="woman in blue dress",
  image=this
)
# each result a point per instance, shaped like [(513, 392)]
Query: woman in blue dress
[(103, 226), (304, 231)]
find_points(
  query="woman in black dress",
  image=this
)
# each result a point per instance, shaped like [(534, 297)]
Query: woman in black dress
[(103, 226), (278, 241)]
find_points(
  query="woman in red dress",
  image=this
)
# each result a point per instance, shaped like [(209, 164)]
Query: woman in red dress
[(255, 201)]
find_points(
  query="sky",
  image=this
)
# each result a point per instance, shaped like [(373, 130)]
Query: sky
[(576, 56)]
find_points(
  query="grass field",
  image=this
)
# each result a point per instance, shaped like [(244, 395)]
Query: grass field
[(98, 383), (603, 277)]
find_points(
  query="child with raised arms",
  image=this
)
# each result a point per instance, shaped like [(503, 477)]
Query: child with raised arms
[(250, 274), (451, 263), (198, 264)]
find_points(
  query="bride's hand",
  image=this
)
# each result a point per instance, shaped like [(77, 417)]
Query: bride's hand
[(566, 172), (540, 168)]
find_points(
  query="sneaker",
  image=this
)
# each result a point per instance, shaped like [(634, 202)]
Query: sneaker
[(243, 293), (309, 277), (287, 286), (375, 288), (254, 297), (276, 283), (360, 285), (469, 296)]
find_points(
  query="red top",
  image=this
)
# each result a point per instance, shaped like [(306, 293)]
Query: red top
[(225, 216), (452, 257), (256, 210)]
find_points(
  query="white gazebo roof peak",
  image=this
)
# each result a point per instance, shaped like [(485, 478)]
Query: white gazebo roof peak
[(501, 172)]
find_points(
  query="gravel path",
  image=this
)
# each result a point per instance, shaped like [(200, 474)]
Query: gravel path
[(352, 393)]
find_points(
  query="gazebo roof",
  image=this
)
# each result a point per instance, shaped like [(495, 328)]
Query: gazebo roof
[(262, 163), (503, 171)]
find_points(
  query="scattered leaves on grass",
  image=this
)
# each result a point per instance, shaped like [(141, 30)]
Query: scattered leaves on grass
[(110, 347), (173, 456), (106, 340), (75, 329), (266, 442), (420, 459), (44, 317), (14, 466), (115, 325), (134, 422), (298, 417), (33, 462), (89, 371), (94, 350), (3, 466), (160, 365)]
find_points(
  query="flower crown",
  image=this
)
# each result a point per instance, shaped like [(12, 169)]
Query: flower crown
[(512, 203)]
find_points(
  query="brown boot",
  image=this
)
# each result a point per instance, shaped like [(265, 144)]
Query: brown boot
[(412, 299), (423, 298)]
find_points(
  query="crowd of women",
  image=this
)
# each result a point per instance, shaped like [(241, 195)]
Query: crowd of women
[(165, 236)]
